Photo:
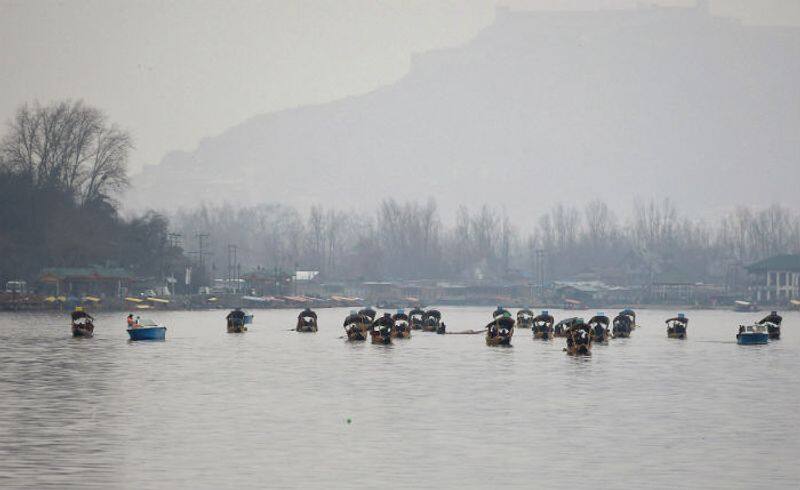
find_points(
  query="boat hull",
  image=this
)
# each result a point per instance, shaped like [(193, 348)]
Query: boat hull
[(306, 328), (542, 335), (498, 340), (147, 333), (774, 332), (78, 331), (579, 350), (756, 338), (381, 339), (237, 329)]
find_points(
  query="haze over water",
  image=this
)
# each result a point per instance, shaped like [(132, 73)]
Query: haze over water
[(269, 408)]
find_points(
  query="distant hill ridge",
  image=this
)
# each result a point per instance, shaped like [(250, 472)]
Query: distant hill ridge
[(538, 107)]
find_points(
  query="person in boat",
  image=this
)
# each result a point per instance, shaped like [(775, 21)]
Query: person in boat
[(131, 321), (773, 318), (79, 313), (500, 311)]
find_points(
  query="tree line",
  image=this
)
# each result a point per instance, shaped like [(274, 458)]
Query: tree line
[(408, 240), (63, 164)]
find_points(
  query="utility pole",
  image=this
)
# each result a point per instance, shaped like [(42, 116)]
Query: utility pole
[(233, 267), (540, 269), (201, 250)]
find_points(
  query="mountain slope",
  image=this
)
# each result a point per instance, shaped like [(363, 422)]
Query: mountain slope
[(538, 107)]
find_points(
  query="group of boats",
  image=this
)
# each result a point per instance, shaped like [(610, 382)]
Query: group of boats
[(366, 324)]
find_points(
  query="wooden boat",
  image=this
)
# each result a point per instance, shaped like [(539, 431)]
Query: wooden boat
[(83, 329), (306, 321), (500, 331), (357, 326), (773, 323), (368, 312), (237, 321), (745, 306), (598, 326), (622, 326), (147, 330), (579, 337), (560, 328), (676, 326), (432, 321), (381, 331), (525, 318), (543, 326), (632, 315), (82, 323), (401, 329), (752, 334), (416, 318)]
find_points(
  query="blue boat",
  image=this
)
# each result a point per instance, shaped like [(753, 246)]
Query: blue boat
[(752, 335), (147, 330)]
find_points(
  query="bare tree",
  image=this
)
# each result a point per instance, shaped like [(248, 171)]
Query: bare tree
[(69, 146)]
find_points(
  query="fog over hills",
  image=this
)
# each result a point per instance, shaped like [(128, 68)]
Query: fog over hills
[(538, 107)]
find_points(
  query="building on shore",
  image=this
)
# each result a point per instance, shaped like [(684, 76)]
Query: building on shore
[(776, 280), (112, 282)]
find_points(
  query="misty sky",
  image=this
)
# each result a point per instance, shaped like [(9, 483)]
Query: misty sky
[(176, 72)]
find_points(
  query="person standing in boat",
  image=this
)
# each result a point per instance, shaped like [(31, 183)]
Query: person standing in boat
[(773, 317)]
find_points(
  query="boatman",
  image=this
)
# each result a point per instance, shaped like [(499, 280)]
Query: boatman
[(80, 313), (131, 321), (773, 318)]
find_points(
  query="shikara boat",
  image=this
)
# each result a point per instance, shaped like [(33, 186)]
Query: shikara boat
[(773, 323), (525, 318), (632, 315), (745, 306), (752, 334), (500, 331), (237, 321), (368, 312), (432, 321), (622, 326), (82, 323), (416, 318), (147, 330), (560, 328), (579, 337), (382, 327), (676, 326), (402, 327), (357, 326), (543, 326), (598, 326), (306, 321)]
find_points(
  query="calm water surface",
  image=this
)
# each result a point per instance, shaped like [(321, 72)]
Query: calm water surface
[(269, 408)]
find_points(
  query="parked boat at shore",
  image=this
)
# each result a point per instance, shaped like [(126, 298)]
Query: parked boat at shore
[(579, 337), (82, 323), (598, 326), (676, 326), (357, 326), (745, 306), (401, 328), (306, 321), (500, 330), (147, 330), (543, 326), (773, 323), (752, 334)]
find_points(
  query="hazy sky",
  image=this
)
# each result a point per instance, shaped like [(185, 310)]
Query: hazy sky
[(175, 72)]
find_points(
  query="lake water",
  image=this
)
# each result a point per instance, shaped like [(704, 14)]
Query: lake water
[(269, 408)]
